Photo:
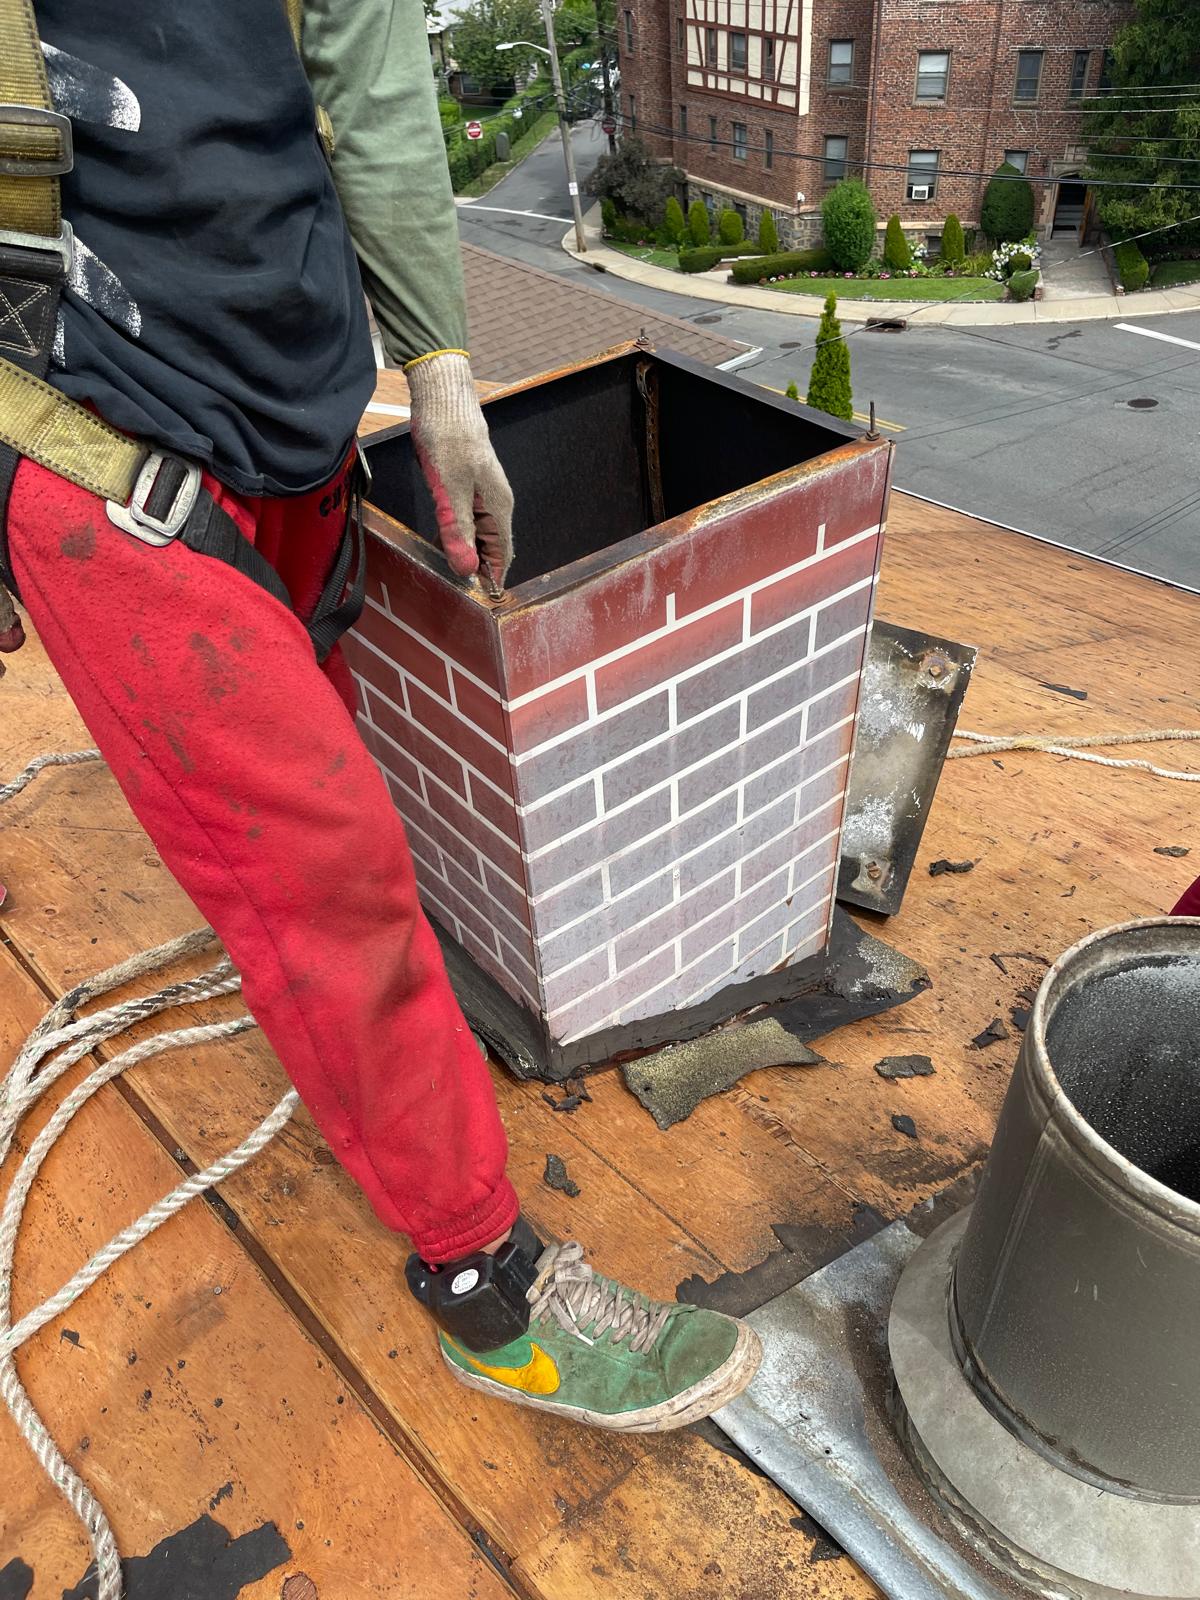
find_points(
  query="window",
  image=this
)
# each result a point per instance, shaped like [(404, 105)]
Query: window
[(1018, 159), (1079, 72), (740, 209), (737, 52), (710, 47), (933, 71), (680, 36), (629, 31), (712, 133), (683, 121), (739, 141), (769, 149), (632, 113), (922, 174), (836, 147), (841, 60), (768, 60), (1029, 75)]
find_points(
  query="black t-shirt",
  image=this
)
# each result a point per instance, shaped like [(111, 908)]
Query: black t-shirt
[(215, 305)]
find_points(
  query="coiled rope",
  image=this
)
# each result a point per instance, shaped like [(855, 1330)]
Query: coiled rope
[(1075, 747), (72, 1037)]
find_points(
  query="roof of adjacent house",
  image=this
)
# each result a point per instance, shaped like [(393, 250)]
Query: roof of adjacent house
[(524, 321)]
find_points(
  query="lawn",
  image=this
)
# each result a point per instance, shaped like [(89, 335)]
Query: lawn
[(1167, 274), (895, 288), (524, 146), (647, 252)]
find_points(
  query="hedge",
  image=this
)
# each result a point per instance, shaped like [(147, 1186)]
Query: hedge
[(1132, 266), (1022, 284), (708, 255), (786, 265), (468, 158)]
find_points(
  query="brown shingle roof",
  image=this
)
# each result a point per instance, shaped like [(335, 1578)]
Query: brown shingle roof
[(525, 321)]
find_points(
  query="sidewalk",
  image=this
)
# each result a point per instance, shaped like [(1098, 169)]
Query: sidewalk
[(966, 313)]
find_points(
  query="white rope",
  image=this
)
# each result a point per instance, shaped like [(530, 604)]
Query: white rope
[(1075, 746), (72, 1037)]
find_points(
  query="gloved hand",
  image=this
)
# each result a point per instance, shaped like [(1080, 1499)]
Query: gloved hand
[(470, 492)]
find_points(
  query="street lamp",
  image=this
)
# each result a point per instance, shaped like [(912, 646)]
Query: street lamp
[(561, 107)]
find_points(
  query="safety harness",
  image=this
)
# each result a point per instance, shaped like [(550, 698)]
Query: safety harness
[(155, 496)]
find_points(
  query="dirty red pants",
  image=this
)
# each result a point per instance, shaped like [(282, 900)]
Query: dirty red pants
[(240, 758)]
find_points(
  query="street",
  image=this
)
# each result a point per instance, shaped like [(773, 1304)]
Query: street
[(1031, 426)]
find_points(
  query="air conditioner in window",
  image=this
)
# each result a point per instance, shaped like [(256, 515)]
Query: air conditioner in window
[(919, 191)]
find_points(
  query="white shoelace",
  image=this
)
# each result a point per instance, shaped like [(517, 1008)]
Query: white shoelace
[(568, 1290)]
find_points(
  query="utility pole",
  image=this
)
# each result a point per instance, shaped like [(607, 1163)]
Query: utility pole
[(560, 101), (607, 82)]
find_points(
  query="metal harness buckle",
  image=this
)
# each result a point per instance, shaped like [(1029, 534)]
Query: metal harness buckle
[(30, 166), (63, 246), (152, 529)]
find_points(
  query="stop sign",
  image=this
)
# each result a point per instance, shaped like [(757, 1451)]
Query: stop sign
[(609, 125), (474, 130)]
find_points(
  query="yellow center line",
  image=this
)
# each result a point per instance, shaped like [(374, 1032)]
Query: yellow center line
[(859, 416)]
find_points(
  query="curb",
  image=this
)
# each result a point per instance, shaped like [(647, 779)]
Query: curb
[(964, 314)]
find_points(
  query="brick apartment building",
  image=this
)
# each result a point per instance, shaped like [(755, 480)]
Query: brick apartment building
[(767, 103)]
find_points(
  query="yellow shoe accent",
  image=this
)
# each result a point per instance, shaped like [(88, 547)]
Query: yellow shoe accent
[(539, 1375)]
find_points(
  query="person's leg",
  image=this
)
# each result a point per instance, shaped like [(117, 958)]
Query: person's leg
[(242, 763), (1188, 904)]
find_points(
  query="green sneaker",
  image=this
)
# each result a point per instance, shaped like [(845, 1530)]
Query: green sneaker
[(600, 1353)]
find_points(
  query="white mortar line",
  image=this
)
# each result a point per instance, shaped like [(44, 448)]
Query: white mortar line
[(406, 677), (395, 777), (428, 644), (474, 772)]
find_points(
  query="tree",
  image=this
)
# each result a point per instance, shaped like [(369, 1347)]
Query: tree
[(673, 221), (954, 247), (639, 185), (1007, 205), (485, 24), (896, 252), (848, 218), (829, 381), (768, 234), (699, 227), (1159, 46), (729, 228)]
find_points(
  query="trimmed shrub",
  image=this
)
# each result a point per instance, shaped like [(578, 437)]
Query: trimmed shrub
[(791, 391), (768, 234), (954, 247), (729, 228), (848, 218), (1022, 261), (786, 265), (673, 221), (829, 381), (1022, 284), (1007, 212), (698, 226), (1132, 266), (897, 254), (709, 255), (608, 215)]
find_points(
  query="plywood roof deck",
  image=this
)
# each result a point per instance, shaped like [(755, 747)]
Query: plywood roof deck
[(307, 1393)]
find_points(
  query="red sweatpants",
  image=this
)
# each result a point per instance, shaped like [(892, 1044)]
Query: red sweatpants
[(239, 755)]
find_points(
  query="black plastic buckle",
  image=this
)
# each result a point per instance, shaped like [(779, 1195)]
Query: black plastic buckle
[(29, 166)]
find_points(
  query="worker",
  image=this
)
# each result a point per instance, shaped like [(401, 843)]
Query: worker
[(202, 315)]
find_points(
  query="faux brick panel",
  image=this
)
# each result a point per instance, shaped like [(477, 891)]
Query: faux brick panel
[(687, 836), (624, 990), (484, 710), (458, 819), (843, 616), (681, 750), (792, 596), (566, 905), (407, 652), (710, 971), (467, 914), (494, 808), (571, 630), (722, 852), (831, 707), (460, 737), (370, 668), (750, 666), (415, 742), (451, 621), (605, 842), (512, 928), (780, 917), (782, 739), (810, 679), (786, 776), (664, 658), (388, 757), (592, 747), (796, 845), (563, 987), (549, 715), (553, 818), (674, 921), (511, 897), (732, 915), (807, 936)]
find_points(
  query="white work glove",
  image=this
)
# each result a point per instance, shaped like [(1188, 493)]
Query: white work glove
[(470, 492)]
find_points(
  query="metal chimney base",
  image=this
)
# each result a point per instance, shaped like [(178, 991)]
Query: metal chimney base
[(1054, 1533)]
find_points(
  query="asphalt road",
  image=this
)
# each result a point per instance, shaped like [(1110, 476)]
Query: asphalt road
[(1028, 426)]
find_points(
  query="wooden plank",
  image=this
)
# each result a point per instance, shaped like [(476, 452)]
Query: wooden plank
[(186, 1392)]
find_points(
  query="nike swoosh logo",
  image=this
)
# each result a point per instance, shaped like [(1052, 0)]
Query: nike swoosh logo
[(539, 1375)]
